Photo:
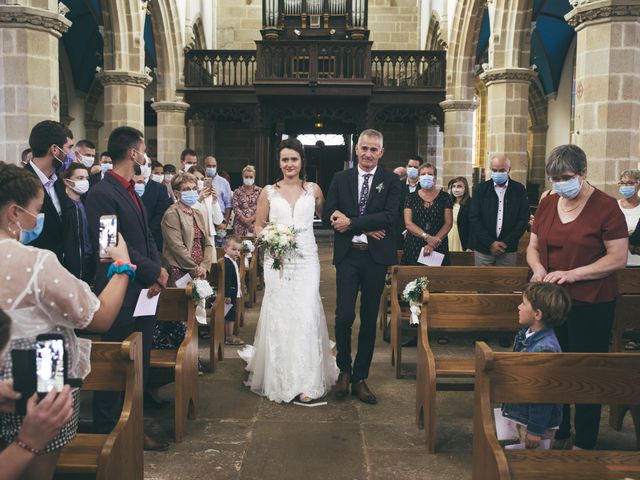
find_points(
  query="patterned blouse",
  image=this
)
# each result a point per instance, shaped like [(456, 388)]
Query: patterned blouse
[(244, 204)]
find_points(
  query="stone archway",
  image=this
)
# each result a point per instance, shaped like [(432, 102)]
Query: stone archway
[(435, 40)]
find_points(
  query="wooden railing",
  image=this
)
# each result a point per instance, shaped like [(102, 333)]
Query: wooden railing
[(303, 61)]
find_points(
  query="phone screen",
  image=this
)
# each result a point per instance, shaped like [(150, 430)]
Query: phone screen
[(108, 233), (50, 365)]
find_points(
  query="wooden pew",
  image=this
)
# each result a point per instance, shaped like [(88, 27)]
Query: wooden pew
[(181, 365), (385, 299), (252, 275), (627, 319), (216, 324), (550, 378), (462, 259), (449, 312), (115, 366), (447, 279)]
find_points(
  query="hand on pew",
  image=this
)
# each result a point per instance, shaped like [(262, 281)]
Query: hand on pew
[(531, 440)]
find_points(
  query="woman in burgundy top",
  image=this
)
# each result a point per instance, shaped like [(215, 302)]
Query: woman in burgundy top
[(579, 239)]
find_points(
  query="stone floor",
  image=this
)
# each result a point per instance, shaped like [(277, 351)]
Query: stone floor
[(239, 435)]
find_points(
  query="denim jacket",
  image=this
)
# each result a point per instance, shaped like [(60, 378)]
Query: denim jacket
[(538, 417)]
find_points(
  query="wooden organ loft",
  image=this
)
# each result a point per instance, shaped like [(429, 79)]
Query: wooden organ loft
[(313, 71)]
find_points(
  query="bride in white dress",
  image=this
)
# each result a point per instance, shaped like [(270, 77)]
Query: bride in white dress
[(291, 356)]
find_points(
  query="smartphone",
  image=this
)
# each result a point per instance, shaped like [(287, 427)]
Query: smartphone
[(23, 371), (51, 371), (108, 233)]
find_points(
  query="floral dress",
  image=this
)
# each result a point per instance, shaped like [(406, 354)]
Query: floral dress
[(244, 204)]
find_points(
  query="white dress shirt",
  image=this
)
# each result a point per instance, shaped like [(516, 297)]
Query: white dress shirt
[(500, 191), (362, 238), (235, 265), (48, 186), (412, 188)]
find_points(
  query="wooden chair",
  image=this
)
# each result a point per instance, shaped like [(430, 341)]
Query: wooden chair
[(115, 366), (550, 378), (448, 312), (447, 279), (181, 365), (216, 325), (627, 319)]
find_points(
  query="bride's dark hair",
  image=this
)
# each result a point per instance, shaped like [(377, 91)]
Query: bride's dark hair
[(296, 145)]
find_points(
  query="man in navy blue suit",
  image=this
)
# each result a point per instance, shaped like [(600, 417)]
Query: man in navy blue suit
[(156, 200), (116, 195)]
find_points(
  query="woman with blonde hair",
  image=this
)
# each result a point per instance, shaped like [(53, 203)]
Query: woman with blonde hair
[(245, 203)]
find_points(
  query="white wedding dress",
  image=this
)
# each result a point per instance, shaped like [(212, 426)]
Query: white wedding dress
[(292, 354)]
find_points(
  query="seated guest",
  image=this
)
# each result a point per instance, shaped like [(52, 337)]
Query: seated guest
[(208, 205), (544, 307), (105, 163), (459, 234), (157, 172), (428, 218), (78, 255), (630, 205), (156, 201), (186, 250), (232, 287), (169, 172), (41, 296), (245, 203)]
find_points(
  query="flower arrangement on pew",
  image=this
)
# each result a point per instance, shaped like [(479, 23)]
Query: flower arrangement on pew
[(247, 250), (279, 241), (202, 290), (412, 293)]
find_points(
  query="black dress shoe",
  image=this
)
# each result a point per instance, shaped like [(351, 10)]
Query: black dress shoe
[(341, 390), (153, 445), (360, 390)]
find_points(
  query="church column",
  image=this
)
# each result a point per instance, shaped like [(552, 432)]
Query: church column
[(508, 116), (172, 130), (607, 85), (29, 78), (458, 139), (123, 100), (538, 155)]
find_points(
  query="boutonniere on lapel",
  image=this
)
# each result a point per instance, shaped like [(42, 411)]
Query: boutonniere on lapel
[(380, 187)]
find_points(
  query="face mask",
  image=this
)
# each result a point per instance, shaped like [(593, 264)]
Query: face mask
[(499, 178), (105, 167), (200, 184), (457, 192), (221, 234), (426, 181), (569, 189), (187, 166), (58, 164), (627, 191), (157, 178), (168, 177), (189, 198), (139, 188), (28, 236), (80, 186), (87, 161), (211, 172), (145, 170), (412, 172), (248, 181)]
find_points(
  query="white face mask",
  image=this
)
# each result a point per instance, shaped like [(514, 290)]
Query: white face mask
[(145, 170), (80, 186), (159, 178), (248, 181), (168, 177), (457, 192), (187, 166), (87, 161)]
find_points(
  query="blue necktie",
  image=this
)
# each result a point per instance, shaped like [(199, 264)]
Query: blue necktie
[(364, 194)]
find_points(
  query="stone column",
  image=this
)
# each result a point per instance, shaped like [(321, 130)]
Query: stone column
[(458, 139), (92, 132), (172, 130), (508, 116), (123, 100), (607, 108), (538, 155), (201, 137), (29, 81)]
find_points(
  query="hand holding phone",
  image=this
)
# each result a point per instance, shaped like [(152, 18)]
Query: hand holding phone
[(51, 371), (108, 234)]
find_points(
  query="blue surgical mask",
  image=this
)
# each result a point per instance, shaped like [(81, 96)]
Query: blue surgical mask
[(412, 172), (189, 198), (499, 178), (568, 189), (105, 167), (139, 188), (211, 172), (426, 181), (221, 234), (28, 236), (627, 191)]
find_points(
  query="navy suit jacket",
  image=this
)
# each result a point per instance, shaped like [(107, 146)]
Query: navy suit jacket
[(156, 200), (109, 197)]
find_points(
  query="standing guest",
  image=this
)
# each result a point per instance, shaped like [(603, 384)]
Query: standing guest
[(169, 172), (50, 143), (232, 287), (208, 206), (630, 205), (157, 172), (25, 157), (105, 163), (428, 217), (187, 250), (156, 200), (245, 203), (578, 240), (116, 195), (498, 216), (86, 153), (188, 158), (78, 255), (459, 234), (224, 194), (409, 185), (42, 297), (401, 172)]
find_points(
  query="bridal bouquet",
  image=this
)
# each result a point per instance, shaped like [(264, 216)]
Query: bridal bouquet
[(279, 241), (413, 294), (247, 250), (201, 290)]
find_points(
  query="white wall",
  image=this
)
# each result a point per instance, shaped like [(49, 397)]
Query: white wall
[(559, 113)]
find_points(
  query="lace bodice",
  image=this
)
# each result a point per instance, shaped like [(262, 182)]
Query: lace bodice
[(300, 215), (41, 296)]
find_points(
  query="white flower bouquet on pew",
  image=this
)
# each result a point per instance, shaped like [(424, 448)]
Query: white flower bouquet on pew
[(279, 241), (247, 250), (202, 290), (412, 293)]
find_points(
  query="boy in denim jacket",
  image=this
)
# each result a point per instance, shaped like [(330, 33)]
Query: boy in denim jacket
[(544, 306)]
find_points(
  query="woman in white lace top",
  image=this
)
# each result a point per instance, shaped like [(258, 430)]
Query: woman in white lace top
[(41, 296)]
